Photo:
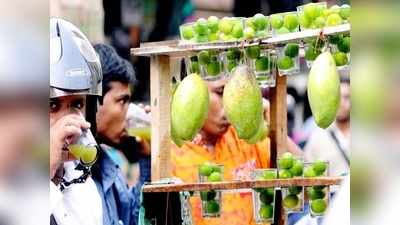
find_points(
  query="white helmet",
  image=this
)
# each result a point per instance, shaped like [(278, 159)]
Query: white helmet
[(74, 65)]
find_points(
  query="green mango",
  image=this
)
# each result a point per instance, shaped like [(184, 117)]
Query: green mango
[(189, 108), (261, 134), (242, 102), (323, 90)]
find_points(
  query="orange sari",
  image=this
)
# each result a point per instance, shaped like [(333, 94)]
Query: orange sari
[(238, 159)]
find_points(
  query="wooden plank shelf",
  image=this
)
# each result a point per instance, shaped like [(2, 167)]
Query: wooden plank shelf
[(174, 48), (229, 185)]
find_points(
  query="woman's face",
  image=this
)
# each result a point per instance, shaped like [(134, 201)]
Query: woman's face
[(62, 106)]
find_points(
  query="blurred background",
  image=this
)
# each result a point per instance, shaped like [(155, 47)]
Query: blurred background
[(375, 113)]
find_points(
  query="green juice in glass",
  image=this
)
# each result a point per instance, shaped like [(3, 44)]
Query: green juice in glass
[(142, 132)]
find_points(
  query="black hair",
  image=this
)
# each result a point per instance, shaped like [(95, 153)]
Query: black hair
[(114, 68)]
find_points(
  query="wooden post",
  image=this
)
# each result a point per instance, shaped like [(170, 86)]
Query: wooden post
[(160, 91), (278, 134)]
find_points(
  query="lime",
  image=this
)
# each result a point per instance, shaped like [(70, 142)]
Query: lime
[(212, 36), (237, 31), (340, 58), (326, 13), (266, 197), (253, 52), (311, 10), (249, 33), (276, 21), (335, 9), (201, 38), (318, 188), (250, 23), (213, 68), (201, 27), (212, 23), (291, 201), (333, 20), (304, 20), (283, 30), (315, 194), (194, 58), (311, 54), (89, 155), (295, 190), (345, 11), (187, 32), (344, 45), (212, 206), (292, 50), (266, 211), (233, 53), (297, 168), (215, 177), (319, 167), (319, 22), (318, 206), (270, 191), (208, 195), (216, 168), (285, 63), (261, 33), (291, 22), (285, 174), (225, 25), (204, 57), (262, 63), (286, 161), (260, 21), (269, 175), (335, 39), (309, 172), (231, 65), (205, 169), (194, 67)]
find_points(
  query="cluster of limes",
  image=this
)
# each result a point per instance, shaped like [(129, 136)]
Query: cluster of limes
[(262, 62), (213, 173), (287, 60), (234, 56), (313, 49), (318, 15), (317, 194), (266, 195), (342, 48), (210, 61), (290, 167)]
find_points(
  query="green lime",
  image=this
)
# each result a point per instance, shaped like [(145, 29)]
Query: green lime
[(226, 25), (304, 21), (340, 58), (311, 54), (315, 194), (201, 27), (291, 201), (201, 38), (216, 168), (291, 22), (213, 68), (194, 67), (233, 53), (283, 30), (344, 45), (212, 206), (249, 33), (276, 21), (253, 52), (269, 175), (262, 63), (260, 21), (237, 31), (194, 58), (231, 65), (270, 191), (215, 177), (285, 63), (266, 211), (261, 33), (204, 57), (319, 167), (292, 50), (335, 9), (318, 188), (285, 174), (212, 37), (335, 39), (318, 206), (295, 190), (286, 160), (319, 22), (212, 23), (205, 169), (266, 197), (309, 172), (250, 23), (345, 11), (208, 195), (326, 13), (297, 168), (187, 32), (311, 10), (333, 20)]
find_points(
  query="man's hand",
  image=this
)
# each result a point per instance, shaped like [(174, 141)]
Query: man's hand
[(63, 132)]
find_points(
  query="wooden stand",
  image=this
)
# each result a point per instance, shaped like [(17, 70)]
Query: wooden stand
[(162, 54)]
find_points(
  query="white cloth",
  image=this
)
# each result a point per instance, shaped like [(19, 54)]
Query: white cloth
[(339, 211), (79, 203)]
